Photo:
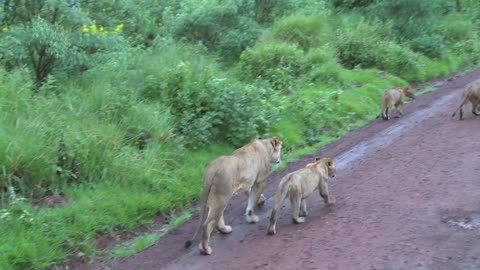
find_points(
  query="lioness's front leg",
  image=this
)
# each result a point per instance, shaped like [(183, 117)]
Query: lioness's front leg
[(327, 197), (225, 229), (254, 196), (474, 109), (399, 107)]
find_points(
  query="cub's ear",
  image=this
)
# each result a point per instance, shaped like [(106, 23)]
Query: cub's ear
[(258, 137), (329, 162), (317, 159)]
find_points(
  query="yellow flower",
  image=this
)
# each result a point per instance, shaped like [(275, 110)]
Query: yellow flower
[(94, 28), (5, 29), (119, 28), (85, 29)]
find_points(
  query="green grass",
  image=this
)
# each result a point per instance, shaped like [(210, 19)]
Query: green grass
[(147, 240)]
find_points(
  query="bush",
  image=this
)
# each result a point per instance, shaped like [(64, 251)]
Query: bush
[(305, 31), (277, 63), (457, 27), (209, 108), (361, 49), (217, 24), (141, 22), (351, 4), (430, 46)]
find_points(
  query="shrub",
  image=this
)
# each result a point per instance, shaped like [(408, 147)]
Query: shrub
[(305, 31), (232, 43), (278, 63), (360, 49), (217, 24), (351, 4), (210, 108), (141, 23), (430, 46), (457, 27)]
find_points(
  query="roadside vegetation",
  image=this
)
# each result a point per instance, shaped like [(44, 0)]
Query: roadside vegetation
[(110, 110)]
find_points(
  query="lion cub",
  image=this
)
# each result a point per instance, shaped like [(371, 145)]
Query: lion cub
[(394, 98), (301, 184), (471, 94)]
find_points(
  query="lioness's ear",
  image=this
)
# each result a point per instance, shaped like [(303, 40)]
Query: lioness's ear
[(258, 137), (317, 159), (276, 141)]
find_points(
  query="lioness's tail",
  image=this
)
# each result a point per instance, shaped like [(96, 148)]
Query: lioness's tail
[(279, 198), (464, 101), (203, 207)]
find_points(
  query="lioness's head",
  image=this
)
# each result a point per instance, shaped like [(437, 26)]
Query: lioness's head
[(329, 164), (407, 91), (276, 144)]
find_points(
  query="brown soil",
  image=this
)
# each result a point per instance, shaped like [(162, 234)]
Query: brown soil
[(407, 195)]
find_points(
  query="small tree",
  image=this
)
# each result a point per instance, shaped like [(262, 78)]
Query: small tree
[(48, 36)]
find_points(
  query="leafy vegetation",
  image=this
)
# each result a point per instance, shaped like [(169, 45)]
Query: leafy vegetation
[(110, 111)]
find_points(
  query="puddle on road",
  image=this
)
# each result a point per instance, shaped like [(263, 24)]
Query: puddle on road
[(470, 222)]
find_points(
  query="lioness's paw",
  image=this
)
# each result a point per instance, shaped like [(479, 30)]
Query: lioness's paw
[(206, 251), (252, 218), (226, 229), (303, 213), (299, 220)]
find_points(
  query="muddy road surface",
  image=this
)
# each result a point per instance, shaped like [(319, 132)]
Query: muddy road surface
[(408, 197)]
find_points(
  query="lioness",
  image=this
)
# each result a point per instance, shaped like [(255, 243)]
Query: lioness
[(472, 94), (244, 170), (301, 184), (394, 97)]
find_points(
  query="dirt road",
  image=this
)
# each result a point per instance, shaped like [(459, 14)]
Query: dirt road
[(408, 197)]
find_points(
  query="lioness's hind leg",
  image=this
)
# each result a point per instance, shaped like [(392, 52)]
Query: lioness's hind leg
[(207, 229), (213, 219), (295, 200), (303, 208)]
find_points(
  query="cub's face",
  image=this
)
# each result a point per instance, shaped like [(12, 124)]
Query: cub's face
[(331, 167), (329, 163)]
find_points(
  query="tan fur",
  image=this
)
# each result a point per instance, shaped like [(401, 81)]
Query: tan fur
[(244, 170), (472, 95), (394, 98), (301, 184)]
